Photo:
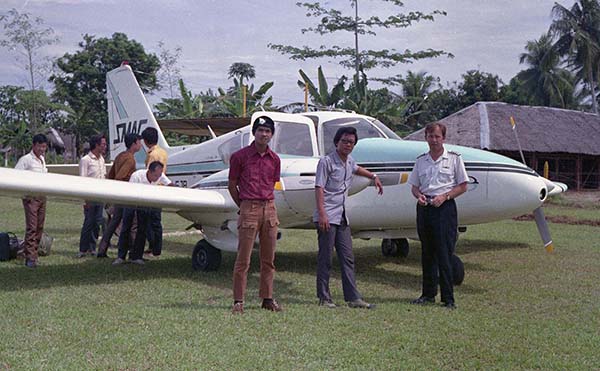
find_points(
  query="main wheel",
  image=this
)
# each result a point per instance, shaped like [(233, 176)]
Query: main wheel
[(403, 247), (388, 247), (458, 270), (206, 257)]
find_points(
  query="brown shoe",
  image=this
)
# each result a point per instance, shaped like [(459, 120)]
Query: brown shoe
[(238, 308), (272, 305)]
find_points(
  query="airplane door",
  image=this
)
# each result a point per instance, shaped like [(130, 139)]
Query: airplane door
[(294, 134)]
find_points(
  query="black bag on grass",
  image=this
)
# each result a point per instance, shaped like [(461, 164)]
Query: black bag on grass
[(9, 246), (4, 246)]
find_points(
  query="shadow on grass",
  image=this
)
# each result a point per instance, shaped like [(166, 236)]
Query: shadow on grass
[(473, 246), (371, 268)]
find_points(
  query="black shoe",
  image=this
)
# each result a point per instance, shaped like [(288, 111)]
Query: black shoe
[(102, 255), (450, 305), (422, 300)]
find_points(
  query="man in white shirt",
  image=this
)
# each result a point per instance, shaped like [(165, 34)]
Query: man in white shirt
[(439, 176), (35, 207), (153, 176), (92, 166)]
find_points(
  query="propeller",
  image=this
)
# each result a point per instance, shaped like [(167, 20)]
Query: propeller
[(542, 226), (552, 187)]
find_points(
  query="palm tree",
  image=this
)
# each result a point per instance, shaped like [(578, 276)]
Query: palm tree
[(322, 96), (416, 87), (545, 81), (578, 33), (242, 71), (232, 101)]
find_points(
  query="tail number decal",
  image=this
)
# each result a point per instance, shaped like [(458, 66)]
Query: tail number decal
[(126, 128)]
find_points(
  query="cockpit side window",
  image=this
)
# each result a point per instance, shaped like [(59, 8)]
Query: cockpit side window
[(292, 139), (364, 129), (229, 147)]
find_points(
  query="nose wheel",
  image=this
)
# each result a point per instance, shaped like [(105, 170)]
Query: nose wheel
[(395, 247), (206, 257)]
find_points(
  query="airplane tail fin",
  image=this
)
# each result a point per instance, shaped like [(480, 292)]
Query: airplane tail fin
[(128, 109)]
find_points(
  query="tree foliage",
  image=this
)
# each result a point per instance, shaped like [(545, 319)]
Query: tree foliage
[(241, 71), (321, 96), (578, 38), (16, 129), (169, 72), (82, 81), (331, 20), (26, 35), (545, 81)]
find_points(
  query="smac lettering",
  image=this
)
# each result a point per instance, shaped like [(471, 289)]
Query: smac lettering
[(128, 127)]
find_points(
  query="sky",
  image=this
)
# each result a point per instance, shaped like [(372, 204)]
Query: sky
[(488, 35)]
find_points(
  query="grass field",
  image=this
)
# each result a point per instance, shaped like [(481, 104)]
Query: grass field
[(519, 307)]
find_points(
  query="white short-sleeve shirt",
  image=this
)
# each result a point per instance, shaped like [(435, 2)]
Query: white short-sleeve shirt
[(139, 176), (438, 177), (32, 163)]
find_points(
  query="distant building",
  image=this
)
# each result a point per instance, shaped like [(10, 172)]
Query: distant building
[(568, 140)]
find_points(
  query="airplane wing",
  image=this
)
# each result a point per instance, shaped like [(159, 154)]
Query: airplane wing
[(19, 183)]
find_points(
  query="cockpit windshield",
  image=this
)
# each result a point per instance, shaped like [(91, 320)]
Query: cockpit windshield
[(364, 128)]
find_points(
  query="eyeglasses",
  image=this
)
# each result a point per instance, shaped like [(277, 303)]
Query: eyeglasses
[(346, 141)]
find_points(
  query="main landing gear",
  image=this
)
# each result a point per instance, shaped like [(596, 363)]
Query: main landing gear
[(395, 247), (206, 257)]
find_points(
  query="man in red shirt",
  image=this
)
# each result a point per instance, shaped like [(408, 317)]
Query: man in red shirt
[(253, 172)]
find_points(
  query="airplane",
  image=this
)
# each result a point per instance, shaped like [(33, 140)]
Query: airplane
[(498, 187)]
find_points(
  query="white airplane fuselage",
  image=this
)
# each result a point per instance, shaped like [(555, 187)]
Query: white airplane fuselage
[(498, 188)]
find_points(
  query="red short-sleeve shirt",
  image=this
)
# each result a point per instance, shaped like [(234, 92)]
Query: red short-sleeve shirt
[(256, 173)]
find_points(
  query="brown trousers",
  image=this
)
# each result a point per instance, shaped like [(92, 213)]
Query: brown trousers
[(35, 215), (256, 217)]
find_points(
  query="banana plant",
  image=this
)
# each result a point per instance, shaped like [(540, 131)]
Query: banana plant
[(322, 96)]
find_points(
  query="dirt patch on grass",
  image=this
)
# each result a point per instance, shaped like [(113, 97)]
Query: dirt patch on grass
[(562, 219), (581, 200)]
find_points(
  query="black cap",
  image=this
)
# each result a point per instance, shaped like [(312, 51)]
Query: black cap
[(263, 121)]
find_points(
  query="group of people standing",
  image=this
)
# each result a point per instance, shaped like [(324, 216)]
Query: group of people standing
[(438, 177), (136, 224)]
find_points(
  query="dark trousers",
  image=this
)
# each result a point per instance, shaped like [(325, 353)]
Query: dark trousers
[(35, 215), (437, 229), (139, 242), (113, 224), (91, 226), (154, 230), (340, 237)]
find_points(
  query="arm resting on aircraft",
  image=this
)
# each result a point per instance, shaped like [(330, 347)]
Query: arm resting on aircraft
[(367, 174)]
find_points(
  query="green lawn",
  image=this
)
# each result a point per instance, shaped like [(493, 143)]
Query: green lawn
[(519, 307)]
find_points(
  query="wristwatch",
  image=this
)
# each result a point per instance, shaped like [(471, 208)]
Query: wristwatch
[(374, 176), (448, 196)]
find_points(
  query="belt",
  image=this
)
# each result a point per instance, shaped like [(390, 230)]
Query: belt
[(258, 202)]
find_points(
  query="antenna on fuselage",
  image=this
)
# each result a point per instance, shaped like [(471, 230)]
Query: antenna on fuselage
[(514, 128)]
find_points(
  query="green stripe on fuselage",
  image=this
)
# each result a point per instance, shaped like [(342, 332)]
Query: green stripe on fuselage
[(387, 150)]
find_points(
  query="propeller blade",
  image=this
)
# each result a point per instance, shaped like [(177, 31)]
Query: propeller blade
[(542, 225)]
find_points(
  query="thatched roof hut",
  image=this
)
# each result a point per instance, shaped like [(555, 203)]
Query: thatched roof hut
[(568, 140)]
